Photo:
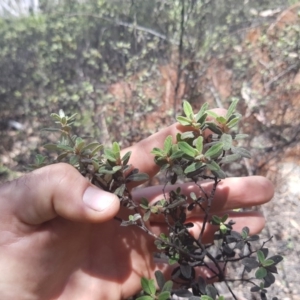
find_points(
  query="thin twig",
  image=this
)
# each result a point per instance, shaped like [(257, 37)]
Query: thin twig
[(281, 74)]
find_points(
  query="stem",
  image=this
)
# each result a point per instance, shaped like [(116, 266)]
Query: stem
[(209, 201), (230, 290)]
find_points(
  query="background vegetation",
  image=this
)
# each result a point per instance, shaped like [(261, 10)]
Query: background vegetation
[(126, 65)]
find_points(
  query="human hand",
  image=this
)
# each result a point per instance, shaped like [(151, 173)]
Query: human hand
[(58, 238)]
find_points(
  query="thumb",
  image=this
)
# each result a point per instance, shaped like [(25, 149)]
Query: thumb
[(57, 190)]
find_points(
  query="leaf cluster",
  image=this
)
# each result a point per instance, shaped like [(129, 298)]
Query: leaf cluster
[(198, 153), (105, 167), (204, 147)]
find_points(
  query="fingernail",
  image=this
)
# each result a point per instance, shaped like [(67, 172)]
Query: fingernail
[(97, 199)]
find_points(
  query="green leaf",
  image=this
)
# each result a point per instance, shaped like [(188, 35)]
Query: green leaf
[(221, 120), (233, 122), (241, 151), (177, 169), (144, 206), (187, 108), (212, 114), (126, 158), (62, 156), (230, 158), (106, 170), (168, 144), (120, 190), (215, 150), (226, 139), (216, 220), (157, 152), (73, 160), (250, 263), (201, 112), (91, 146), (186, 270), (187, 149), (202, 120), (223, 228), (224, 218), (260, 256), (55, 117), (163, 236), (213, 166), (147, 215), (148, 286), (65, 147), (231, 108), (160, 279), (198, 143), (167, 286), (72, 117), (245, 232), (176, 155), (164, 295), (135, 217), (116, 149), (187, 135), (214, 128), (145, 201), (110, 155), (276, 258), (63, 121), (220, 174), (97, 149), (117, 168), (39, 159), (184, 121), (268, 262), (172, 260), (193, 167), (137, 177), (261, 273), (79, 143)]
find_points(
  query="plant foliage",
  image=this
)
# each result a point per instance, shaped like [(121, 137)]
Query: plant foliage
[(198, 154)]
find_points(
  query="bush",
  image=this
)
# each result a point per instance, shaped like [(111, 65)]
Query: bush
[(196, 156)]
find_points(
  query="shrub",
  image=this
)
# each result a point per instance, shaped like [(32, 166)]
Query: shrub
[(196, 156)]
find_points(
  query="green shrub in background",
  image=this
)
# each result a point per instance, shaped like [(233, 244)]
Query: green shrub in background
[(69, 54)]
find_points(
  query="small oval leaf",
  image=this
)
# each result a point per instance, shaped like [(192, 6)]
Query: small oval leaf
[(137, 177), (187, 149), (261, 273), (183, 121), (226, 139), (187, 108), (148, 286), (215, 150)]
